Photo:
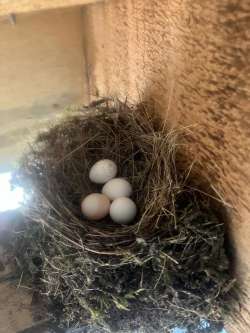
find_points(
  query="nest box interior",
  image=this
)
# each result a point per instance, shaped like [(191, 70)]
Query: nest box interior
[(190, 57)]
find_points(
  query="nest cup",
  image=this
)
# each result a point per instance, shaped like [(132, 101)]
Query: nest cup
[(167, 269)]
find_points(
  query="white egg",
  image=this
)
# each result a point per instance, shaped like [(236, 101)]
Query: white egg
[(123, 210), (116, 188), (102, 171), (95, 206)]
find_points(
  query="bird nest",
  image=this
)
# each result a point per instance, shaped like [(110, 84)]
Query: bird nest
[(167, 269)]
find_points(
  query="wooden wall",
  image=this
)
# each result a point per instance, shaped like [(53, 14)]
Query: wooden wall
[(42, 69), (25, 6), (192, 58)]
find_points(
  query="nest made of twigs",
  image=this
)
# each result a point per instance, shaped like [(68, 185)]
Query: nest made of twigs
[(168, 269)]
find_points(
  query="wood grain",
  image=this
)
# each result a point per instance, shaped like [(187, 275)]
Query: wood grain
[(192, 58), (42, 70), (15, 308), (8, 7)]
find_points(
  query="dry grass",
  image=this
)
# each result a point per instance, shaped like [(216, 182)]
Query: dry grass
[(168, 269)]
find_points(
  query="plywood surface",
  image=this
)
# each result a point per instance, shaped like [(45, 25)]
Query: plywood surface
[(24, 6), (15, 309), (42, 70), (15, 303), (192, 58)]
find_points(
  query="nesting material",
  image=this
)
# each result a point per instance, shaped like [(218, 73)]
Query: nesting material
[(168, 269)]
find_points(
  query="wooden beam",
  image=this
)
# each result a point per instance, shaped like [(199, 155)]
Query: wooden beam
[(8, 7)]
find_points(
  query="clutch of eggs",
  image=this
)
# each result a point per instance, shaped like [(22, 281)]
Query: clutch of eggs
[(97, 206)]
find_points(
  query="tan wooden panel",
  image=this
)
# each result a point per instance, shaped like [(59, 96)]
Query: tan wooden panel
[(192, 58), (42, 70), (15, 309), (15, 303), (41, 59), (24, 6)]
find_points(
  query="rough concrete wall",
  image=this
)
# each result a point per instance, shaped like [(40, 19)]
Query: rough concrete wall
[(192, 57), (42, 70)]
